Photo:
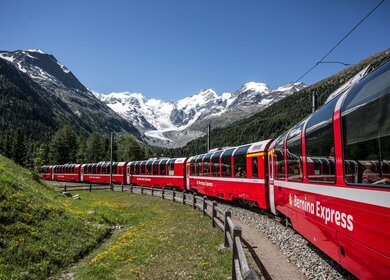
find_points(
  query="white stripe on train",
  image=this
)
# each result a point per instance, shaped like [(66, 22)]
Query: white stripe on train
[(368, 196)]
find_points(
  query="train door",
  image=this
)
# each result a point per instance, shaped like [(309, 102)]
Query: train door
[(53, 172), (82, 173), (187, 174), (271, 181), (128, 178)]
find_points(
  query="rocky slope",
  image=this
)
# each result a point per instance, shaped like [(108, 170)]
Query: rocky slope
[(56, 81)]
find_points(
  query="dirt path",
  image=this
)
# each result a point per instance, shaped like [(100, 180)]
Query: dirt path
[(266, 256)]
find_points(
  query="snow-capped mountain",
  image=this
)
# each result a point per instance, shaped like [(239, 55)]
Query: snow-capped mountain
[(59, 82), (175, 123)]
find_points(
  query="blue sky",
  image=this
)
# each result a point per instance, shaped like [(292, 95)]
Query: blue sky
[(173, 48)]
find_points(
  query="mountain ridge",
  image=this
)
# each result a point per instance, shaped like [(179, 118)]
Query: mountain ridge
[(57, 82), (185, 119)]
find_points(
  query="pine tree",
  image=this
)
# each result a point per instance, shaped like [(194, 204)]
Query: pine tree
[(40, 156), (129, 149), (81, 150), (19, 149), (63, 146), (93, 147)]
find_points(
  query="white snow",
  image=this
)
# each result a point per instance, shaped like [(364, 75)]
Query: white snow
[(36, 50), (204, 104), (21, 67), (28, 55), (258, 87), (66, 70), (157, 135), (8, 58)]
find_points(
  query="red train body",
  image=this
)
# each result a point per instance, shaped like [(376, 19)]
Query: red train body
[(157, 173), (238, 173), (100, 172), (329, 175), (66, 172)]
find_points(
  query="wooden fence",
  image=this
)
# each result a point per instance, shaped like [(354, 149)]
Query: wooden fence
[(219, 218)]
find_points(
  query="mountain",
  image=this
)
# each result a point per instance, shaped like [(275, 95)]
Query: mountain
[(278, 117), (59, 94), (173, 124)]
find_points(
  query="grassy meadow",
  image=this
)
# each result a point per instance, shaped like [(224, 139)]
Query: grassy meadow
[(44, 234), (160, 240)]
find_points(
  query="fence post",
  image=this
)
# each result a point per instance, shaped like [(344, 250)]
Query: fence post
[(226, 227), (184, 197), (64, 188), (131, 188), (236, 232), (204, 205), (163, 193), (173, 195), (194, 200), (142, 190), (90, 187), (152, 191), (213, 213), (122, 187)]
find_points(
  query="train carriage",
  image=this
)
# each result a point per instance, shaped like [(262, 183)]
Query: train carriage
[(45, 172), (157, 173), (100, 172), (330, 176), (236, 173), (66, 172)]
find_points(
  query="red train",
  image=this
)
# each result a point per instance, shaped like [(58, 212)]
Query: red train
[(329, 175)]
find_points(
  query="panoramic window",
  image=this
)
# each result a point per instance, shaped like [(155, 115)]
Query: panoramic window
[(294, 153), (279, 155), (94, 168), (131, 168), (171, 167), (114, 168), (137, 168), (206, 165), (319, 137), (198, 165), (215, 163), (366, 140), (240, 161), (143, 168), (192, 166), (163, 167), (226, 161), (155, 167), (148, 167)]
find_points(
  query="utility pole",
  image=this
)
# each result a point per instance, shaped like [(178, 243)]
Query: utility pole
[(314, 100), (208, 137), (112, 142)]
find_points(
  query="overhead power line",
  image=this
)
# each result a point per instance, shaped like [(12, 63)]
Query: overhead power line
[(353, 29), (339, 62)]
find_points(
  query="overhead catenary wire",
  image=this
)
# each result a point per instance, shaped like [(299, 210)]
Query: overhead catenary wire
[(328, 53)]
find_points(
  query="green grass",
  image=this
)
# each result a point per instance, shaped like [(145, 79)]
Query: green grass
[(37, 236), (43, 233), (160, 240)]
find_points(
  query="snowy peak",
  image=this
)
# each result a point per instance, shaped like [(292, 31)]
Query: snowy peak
[(157, 118), (42, 67), (253, 87), (59, 82), (145, 114)]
